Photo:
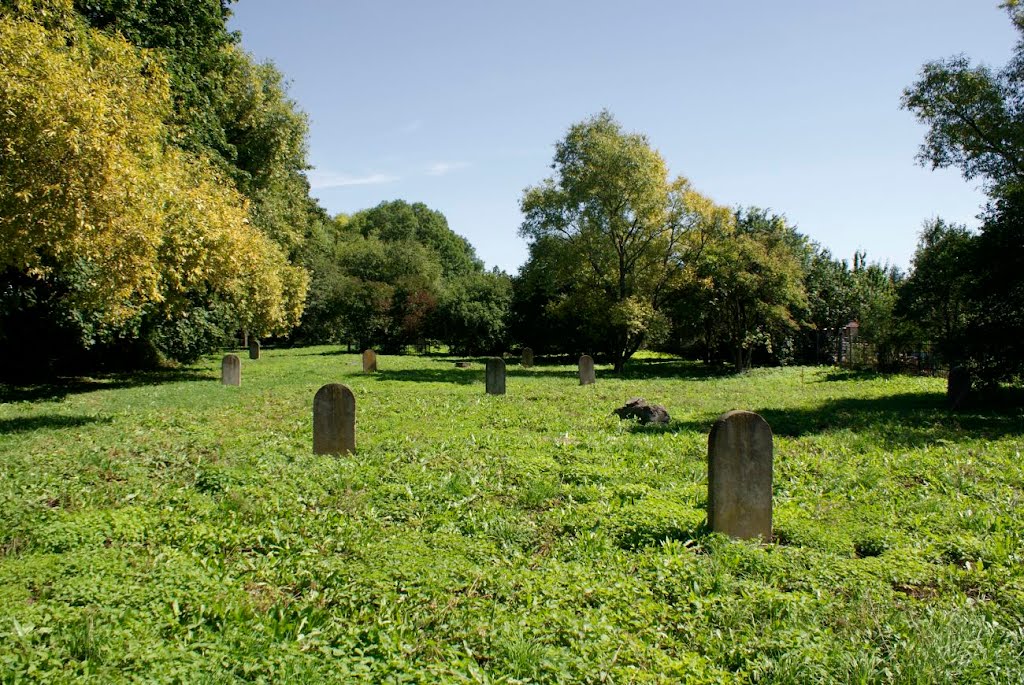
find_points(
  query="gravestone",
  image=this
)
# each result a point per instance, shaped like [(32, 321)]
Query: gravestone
[(231, 370), (369, 361), (462, 365), (495, 376), (527, 357), (958, 387), (740, 476), (334, 420), (587, 370), (254, 349)]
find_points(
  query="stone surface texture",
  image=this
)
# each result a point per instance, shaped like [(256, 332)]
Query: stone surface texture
[(495, 376), (334, 420), (231, 370), (527, 357), (254, 349), (638, 408), (587, 375), (369, 361), (740, 476)]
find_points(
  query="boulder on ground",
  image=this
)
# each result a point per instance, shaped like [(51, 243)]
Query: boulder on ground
[(638, 408)]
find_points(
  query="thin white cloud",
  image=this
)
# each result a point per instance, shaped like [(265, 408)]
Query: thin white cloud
[(442, 168), (318, 180)]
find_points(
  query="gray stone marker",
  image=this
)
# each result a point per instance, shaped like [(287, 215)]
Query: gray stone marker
[(587, 375), (231, 370), (334, 420), (527, 357), (740, 476), (495, 376), (958, 387), (462, 365), (254, 349), (369, 361)]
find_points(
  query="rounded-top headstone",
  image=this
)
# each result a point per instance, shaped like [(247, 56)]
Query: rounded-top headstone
[(587, 375), (527, 357), (495, 377), (740, 476), (958, 386), (254, 349), (231, 370), (369, 361), (334, 420)]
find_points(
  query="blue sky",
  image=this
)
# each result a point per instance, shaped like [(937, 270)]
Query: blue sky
[(791, 105)]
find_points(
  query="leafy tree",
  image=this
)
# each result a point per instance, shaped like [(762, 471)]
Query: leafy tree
[(101, 223), (831, 303), (748, 287), (936, 297), (472, 313), (616, 221)]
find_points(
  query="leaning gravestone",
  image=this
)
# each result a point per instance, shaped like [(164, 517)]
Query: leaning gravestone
[(334, 420), (527, 357), (958, 387), (231, 370), (495, 376), (740, 476), (369, 361), (587, 370), (254, 349)]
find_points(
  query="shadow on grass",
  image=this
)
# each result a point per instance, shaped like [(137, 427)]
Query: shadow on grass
[(907, 420), (454, 375), (672, 368), (29, 424), (63, 387)]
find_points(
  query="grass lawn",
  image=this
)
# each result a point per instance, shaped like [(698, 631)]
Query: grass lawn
[(165, 528)]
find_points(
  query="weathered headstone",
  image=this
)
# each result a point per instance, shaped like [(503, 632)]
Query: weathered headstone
[(958, 386), (740, 476), (462, 365), (495, 376), (527, 357), (587, 370), (369, 361), (254, 349), (231, 370), (334, 420)]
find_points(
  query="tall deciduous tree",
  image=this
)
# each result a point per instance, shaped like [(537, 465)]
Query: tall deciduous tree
[(614, 216)]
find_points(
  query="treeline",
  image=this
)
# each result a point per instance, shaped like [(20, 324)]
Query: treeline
[(153, 206)]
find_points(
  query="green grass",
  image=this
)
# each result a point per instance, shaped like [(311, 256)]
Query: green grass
[(164, 528)]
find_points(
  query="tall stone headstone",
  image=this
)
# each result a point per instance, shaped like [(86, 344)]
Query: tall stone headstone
[(740, 476), (369, 361), (495, 376), (231, 370), (527, 357), (334, 420), (254, 349), (587, 375), (958, 387)]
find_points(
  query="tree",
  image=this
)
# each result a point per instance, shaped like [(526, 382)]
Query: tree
[(102, 223), (615, 218), (473, 311), (974, 115)]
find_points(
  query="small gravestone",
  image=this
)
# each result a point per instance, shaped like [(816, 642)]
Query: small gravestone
[(958, 387), (587, 370), (495, 376), (254, 349), (740, 476), (369, 361), (334, 420), (462, 365), (231, 370), (527, 357)]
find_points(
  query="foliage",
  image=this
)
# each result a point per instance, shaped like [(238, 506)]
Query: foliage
[(618, 226), (472, 312), (98, 216), (161, 527)]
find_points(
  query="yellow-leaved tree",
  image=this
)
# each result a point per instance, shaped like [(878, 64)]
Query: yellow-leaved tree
[(98, 209)]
